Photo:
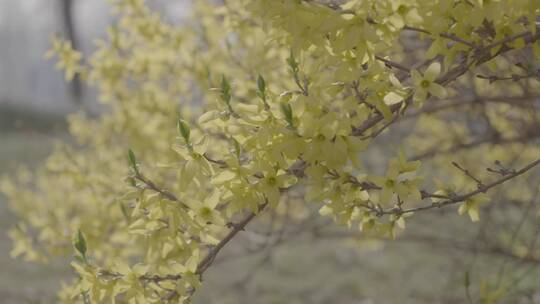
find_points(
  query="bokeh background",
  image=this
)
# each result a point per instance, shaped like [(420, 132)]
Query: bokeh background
[(310, 261), (34, 103)]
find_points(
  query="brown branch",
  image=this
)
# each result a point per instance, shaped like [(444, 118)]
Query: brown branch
[(463, 197), (157, 279), (475, 143), (443, 35), (152, 186), (374, 134), (210, 257), (469, 174), (527, 35), (219, 162), (513, 77), (393, 64), (518, 101), (207, 261), (67, 10), (481, 55)]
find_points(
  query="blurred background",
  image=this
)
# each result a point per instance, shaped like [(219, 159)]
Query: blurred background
[(34, 102), (306, 261)]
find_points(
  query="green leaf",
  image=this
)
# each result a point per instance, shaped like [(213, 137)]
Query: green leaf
[(286, 109), (133, 161), (184, 130), (293, 64), (79, 242), (225, 90), (261, 84), (261, 92)]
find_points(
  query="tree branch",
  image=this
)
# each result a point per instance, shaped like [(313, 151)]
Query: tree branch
[(482, 55), (210, 257), (463, 197)]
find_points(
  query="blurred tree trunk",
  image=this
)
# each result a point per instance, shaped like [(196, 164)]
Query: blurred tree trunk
[(66, 10)]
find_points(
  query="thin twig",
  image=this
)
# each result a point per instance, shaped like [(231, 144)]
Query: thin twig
[(463, 197), (443, 35), (468, 174), (393, 64), (452, 75), (152, 186), (210, 257)]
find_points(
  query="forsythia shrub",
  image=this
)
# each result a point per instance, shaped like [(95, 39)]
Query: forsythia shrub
[(211, 123)]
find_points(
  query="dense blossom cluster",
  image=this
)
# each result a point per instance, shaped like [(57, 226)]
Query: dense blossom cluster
[(255, 100)]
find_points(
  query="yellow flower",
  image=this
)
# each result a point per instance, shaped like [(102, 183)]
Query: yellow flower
[(395, 183), (271, 183), (205, 211), (426, 84), (471, 206), (196, 165), (403, 14)]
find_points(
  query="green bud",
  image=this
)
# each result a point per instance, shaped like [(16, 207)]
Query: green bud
[(79, 242), (261, 84), (293, 64), (184, 130), (287, 112), (225, 90), (132, 161)]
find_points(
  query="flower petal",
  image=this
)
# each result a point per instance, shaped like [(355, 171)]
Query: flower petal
[(437, 90), (433, 71), (417, 77), (392, 98)]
